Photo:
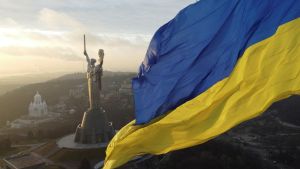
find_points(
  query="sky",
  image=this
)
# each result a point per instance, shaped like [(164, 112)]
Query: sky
[(46, 36)]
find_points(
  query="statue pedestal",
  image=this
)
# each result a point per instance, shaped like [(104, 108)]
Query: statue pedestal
[(94, 128)]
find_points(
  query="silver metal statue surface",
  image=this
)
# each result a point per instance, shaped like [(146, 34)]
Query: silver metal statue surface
[(94, 127), (94, 75)]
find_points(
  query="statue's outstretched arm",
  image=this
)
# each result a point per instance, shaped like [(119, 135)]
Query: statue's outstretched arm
[(87, 58)]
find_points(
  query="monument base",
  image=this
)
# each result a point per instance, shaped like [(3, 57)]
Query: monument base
[(69, 143), (94, 128)]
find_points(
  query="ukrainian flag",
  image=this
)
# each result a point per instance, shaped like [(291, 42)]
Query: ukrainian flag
[(215, 65)]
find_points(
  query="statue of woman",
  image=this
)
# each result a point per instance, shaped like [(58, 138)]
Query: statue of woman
[(94, 75)]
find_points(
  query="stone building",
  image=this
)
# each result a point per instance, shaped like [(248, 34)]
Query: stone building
[(37, 114), (38, 107)]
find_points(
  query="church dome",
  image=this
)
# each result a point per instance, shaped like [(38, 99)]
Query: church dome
[(37, 98), (38, 107)]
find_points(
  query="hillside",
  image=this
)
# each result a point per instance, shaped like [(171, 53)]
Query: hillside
[(289, 109), (15, 103), (270, 141), (8, 83)]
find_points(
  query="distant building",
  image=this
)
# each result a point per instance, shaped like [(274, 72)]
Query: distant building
[(38, 107), (77, 92), (37, 114), (125, 94), (21, 122), (125, 89), (72, 111)]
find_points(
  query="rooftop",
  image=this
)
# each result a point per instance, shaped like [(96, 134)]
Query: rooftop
[(24, 161)]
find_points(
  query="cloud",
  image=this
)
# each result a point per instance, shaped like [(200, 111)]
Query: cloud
[(68, 45), (47, 52), (59, 20), (8, 23), (52, 30)]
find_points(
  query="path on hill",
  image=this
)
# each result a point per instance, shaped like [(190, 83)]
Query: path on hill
[(286, 124), (27, 145)]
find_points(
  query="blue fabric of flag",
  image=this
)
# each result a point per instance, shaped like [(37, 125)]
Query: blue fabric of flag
[(200, 47)]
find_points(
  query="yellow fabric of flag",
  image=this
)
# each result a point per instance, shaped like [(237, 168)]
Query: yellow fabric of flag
[(267, 72)]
